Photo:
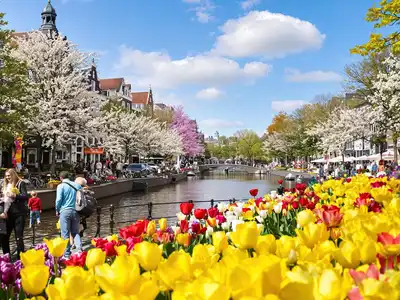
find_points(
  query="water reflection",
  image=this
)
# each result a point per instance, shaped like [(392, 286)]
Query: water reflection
[(212, 186)]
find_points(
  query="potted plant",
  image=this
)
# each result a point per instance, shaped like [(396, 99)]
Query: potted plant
[(52, 184)]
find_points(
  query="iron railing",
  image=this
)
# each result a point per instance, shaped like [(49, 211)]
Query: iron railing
[(33, 235)]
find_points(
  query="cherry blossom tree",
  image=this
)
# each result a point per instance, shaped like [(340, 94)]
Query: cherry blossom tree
[(187, 130), (125, 133), (59, 89), (385, 100), (343, 125)]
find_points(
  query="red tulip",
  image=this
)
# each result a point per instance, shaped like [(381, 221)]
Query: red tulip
[(200, 213), (195, 227), (77, 260), (295, 204), (134, 230), (386, 238), (359, 276), (348, 179), (244, 209), (221, 219), (259, 201), (253, 192), (213, 212), (303, 201), (131, 242), (280, 181), (186, 208), (184, 225), (109, 248), (331, 218), (377, 184)]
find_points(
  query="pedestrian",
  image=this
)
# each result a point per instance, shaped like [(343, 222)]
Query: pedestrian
[(65, 210), (16, 214), (35, 207), (99, 167), (119, 168), (82, 221)]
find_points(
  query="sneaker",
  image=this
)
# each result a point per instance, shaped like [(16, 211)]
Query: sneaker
[(38, 222)]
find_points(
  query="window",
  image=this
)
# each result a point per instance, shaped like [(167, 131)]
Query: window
[(31, 156)]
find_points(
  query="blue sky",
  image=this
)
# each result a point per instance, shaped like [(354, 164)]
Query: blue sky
[(232, 64)]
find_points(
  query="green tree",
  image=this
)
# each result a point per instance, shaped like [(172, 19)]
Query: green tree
[(249, 144), (387, 14), (14, 105)]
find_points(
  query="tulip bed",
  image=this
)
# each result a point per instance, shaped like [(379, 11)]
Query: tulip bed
[(336, 240)]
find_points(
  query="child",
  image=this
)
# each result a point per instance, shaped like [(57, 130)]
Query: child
[(9, 195), (35, 207)]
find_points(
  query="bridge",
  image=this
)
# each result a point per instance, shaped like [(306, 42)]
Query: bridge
[(245, 168)]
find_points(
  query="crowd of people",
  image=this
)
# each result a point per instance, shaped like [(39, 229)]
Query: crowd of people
[(16, 204), (338, 170)]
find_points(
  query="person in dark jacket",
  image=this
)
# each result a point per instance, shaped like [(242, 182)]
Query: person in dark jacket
[(16, 214)]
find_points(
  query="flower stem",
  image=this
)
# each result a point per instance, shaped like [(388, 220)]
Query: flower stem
[(55, 266)]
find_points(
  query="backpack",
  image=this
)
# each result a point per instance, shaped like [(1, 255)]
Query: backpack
[(85, 203)]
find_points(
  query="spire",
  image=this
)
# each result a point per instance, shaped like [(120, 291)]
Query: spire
[(49, 16)]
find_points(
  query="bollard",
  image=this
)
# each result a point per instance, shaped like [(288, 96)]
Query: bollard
[(112, 208), (98, 224), (33, 234), (212, 203), (150, 208)]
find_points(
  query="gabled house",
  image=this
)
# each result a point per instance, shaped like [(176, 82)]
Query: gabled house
[(142, 100), (116, 88)]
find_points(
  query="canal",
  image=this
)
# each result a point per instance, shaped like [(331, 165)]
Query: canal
[(213, 186)]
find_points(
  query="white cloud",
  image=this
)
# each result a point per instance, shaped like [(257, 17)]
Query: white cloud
[(209, 93), (203, 10), (161, 71), (295, 75), (219, 123), (249, 4), (287, 105), (271, 35)]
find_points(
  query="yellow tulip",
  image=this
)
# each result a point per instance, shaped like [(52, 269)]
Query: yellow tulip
[(313, 234), (95, 257), (297, 285), (368, 251), (245, 236), (266, 244), (113, 237), (183, 239), (148, 254), (177, 268), (32, 257), (151, 228), (163, 224), (220, 241), (332, 286), (305, 217), (34, 279), (121, 250), (284, 245), (75, 283), (348, 255), (122, 277), (36, 298), (56, 246)]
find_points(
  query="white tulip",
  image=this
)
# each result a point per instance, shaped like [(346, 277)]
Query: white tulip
[(225, 226), (278, 208), (222, 206), (180, 216), (209, 231), (235, 223)]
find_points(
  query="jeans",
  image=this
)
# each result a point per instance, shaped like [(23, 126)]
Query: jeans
[(69, 224), (15, 223), (34, 215)]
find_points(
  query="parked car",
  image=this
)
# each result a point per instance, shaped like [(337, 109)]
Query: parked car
[(138, 169), (153, 167)]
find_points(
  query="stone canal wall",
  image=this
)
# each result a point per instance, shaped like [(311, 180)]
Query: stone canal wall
[(114, 188)]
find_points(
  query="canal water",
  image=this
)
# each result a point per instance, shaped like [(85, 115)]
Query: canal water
[(213, 186)]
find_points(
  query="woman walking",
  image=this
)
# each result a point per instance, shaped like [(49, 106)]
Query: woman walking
[(17, 213)]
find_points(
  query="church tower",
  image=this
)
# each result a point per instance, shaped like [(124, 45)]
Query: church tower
[(49, 19)]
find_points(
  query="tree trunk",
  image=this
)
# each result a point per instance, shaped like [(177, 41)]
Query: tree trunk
[(39, 153), (53, 158), (395, 148)]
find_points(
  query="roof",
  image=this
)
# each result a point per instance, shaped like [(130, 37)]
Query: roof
[(140, 97), (110, 83)]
